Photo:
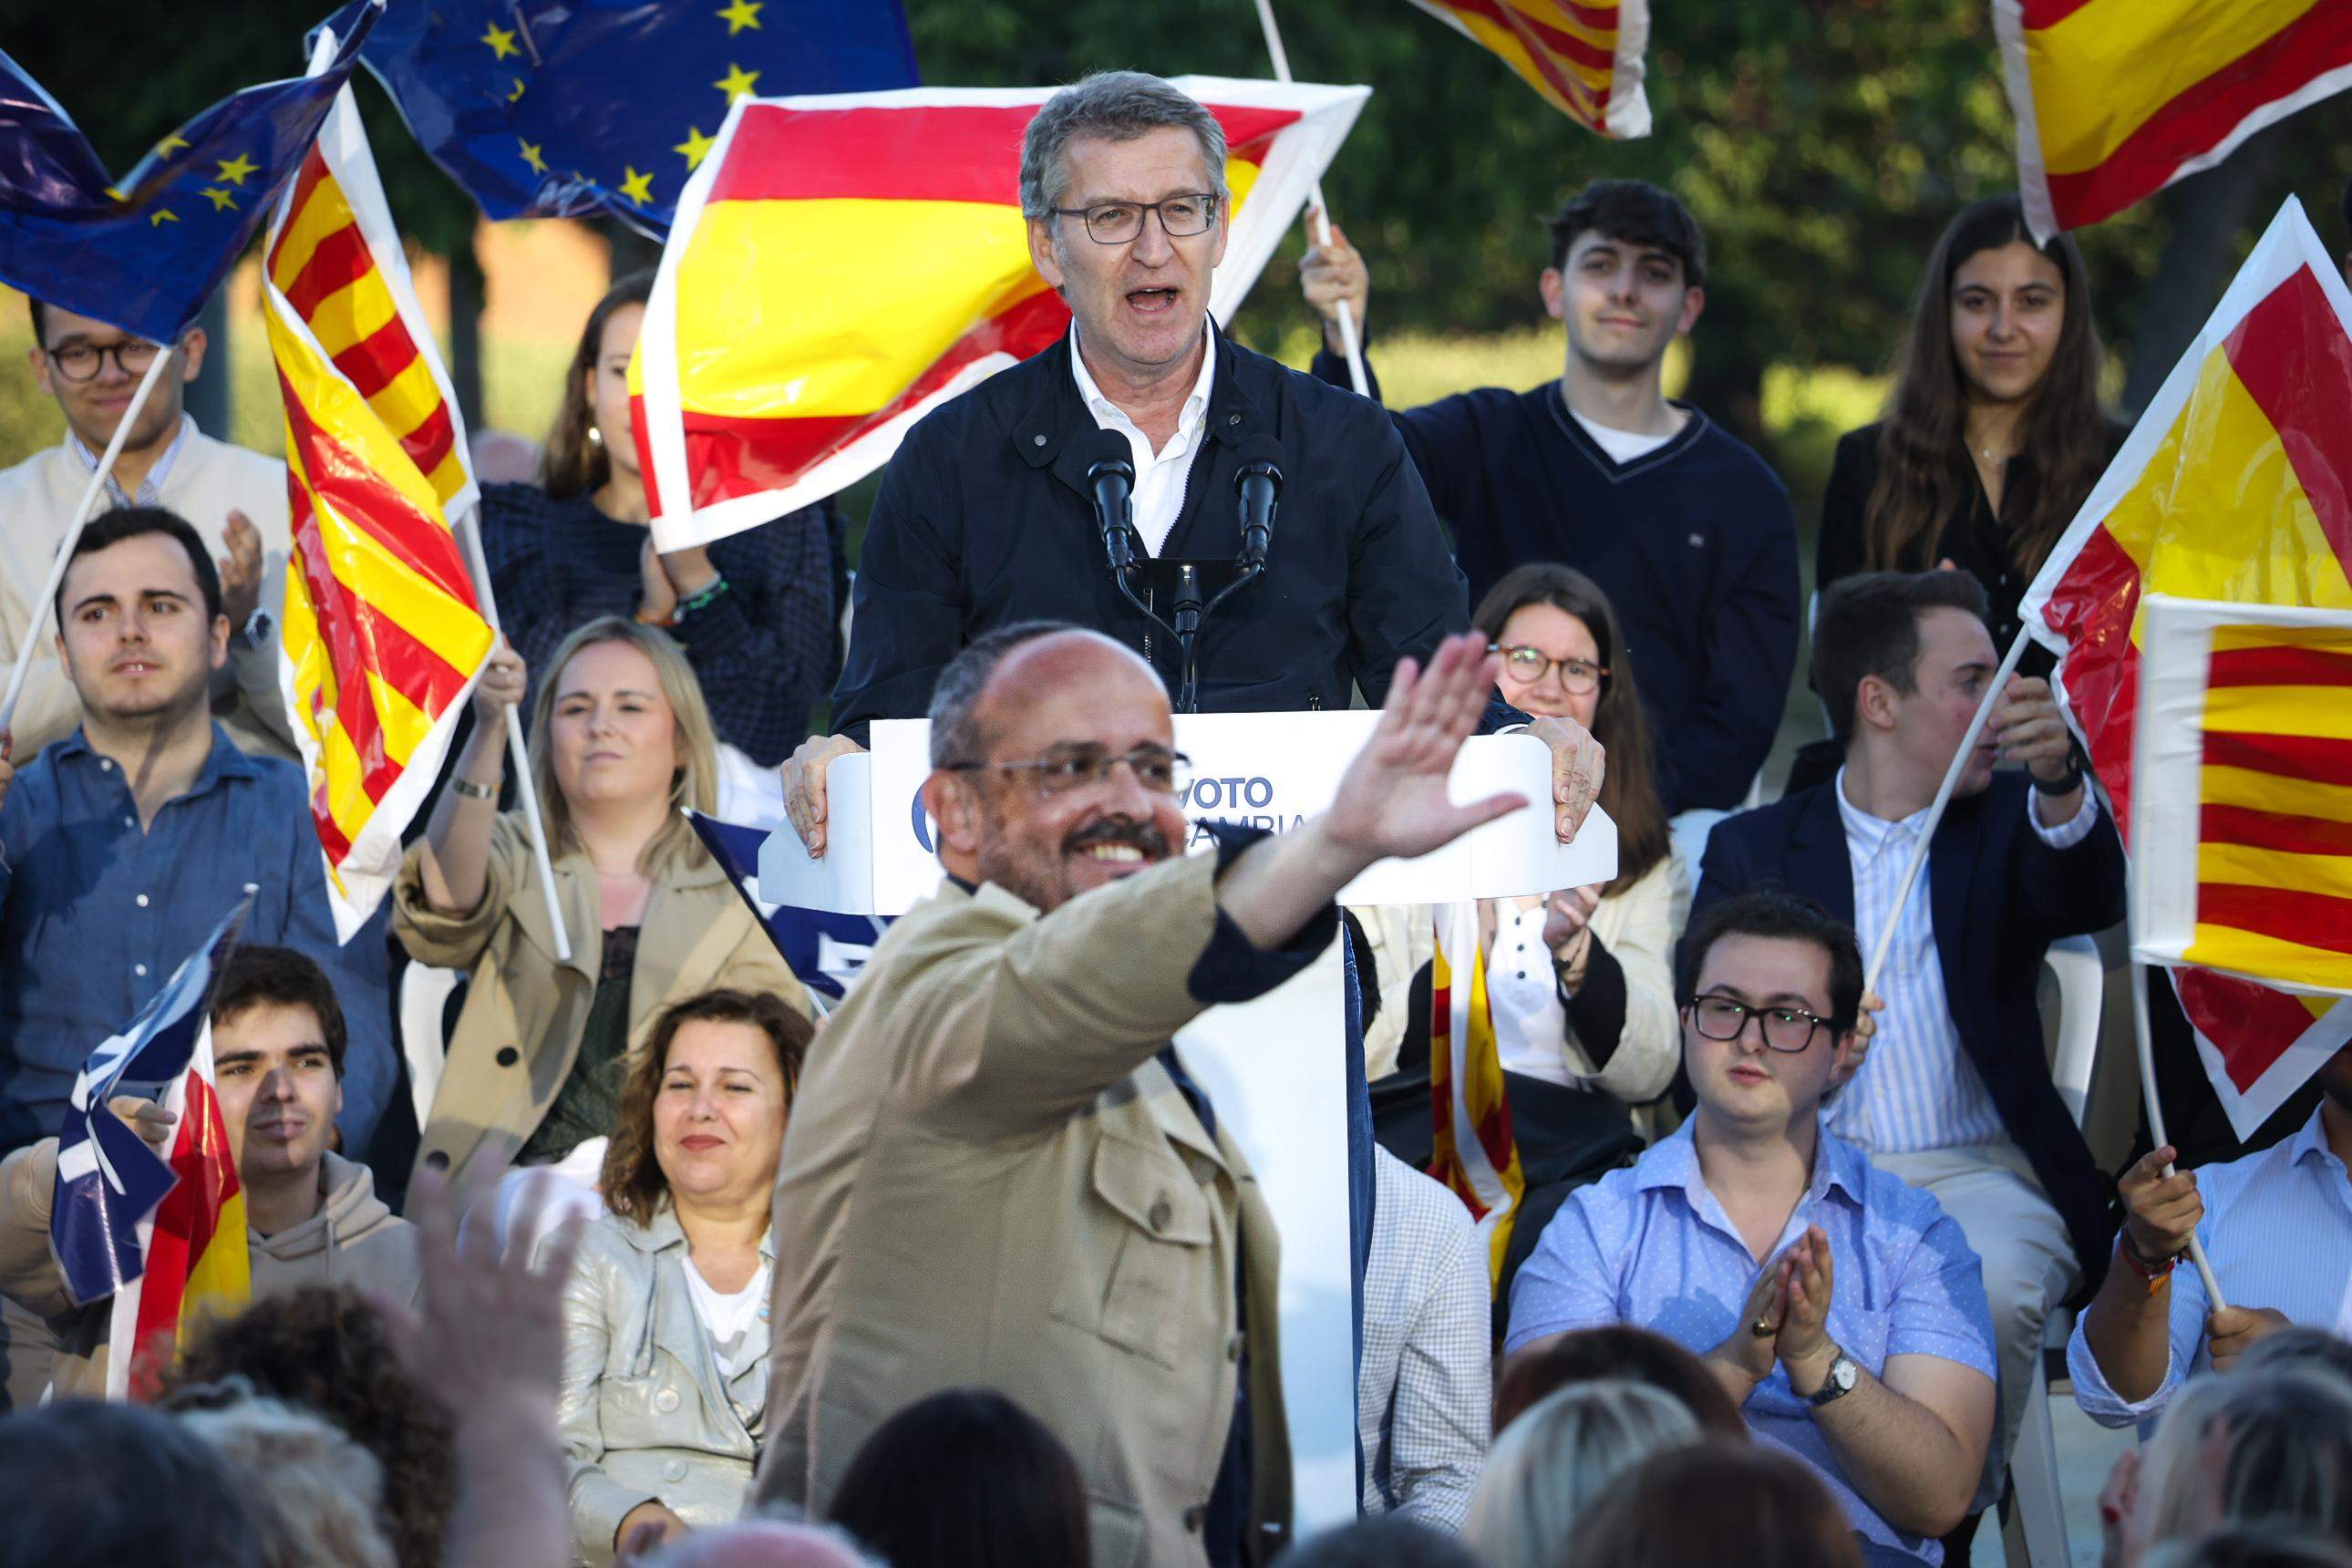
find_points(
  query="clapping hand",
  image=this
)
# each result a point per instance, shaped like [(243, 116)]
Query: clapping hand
[(1803, 1344), (1392, 801), (1752, 1345)]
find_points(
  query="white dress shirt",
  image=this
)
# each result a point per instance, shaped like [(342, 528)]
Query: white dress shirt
[(2278, 1233), (1159, 475), (1917, 1089)]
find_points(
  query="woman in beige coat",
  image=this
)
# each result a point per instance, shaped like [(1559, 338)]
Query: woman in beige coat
[(621, 745), (666, 1317)]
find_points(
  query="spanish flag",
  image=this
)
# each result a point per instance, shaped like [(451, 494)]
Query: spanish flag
[(2234, 487), (2114, 100), (841, 265), (1584, 59), (1473, 1154), (382, 635)]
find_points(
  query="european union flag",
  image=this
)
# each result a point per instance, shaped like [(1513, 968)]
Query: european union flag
[(827, 952), (566, 108), (146, 254)]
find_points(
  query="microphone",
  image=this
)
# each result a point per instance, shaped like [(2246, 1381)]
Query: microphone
[(1110, 477), (1259, 487)]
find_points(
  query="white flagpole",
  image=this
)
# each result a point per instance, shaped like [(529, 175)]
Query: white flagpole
[(2156, 1116), (1349, 339), (40, 616), (526, 788)]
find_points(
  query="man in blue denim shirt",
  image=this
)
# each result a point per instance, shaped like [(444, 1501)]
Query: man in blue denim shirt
[(123, 845), (1841, 1309)]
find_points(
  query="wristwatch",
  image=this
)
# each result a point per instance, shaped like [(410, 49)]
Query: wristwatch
[(1842, 1375)]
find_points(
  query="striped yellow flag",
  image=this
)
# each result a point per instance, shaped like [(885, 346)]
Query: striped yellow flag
[(383, 637), (1474, 1152), (2235, 487), (1584, 57), (2114, 100)]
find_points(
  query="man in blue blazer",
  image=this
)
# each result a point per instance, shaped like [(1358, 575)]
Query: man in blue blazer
[(1956, 1096)]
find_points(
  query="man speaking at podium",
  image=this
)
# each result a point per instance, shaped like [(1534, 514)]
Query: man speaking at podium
[(994, 509), (998, 1173)]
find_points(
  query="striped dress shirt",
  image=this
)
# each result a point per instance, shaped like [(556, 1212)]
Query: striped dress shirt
[(2278, 1232), (1425, 1390), (1917, 1089)]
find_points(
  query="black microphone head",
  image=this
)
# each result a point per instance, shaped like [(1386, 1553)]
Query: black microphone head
[(1260, 455), (1106, 452)]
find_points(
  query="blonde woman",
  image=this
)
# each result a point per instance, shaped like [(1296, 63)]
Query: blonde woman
[(621, 745), (1559, 1460)]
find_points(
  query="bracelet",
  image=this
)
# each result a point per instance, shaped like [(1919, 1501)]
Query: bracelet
[(663, 621), (2153, 1275), (473, 791), (2067, 785), (700, 601)]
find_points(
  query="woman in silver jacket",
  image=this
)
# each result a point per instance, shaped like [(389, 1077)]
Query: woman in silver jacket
[(666, 1317)]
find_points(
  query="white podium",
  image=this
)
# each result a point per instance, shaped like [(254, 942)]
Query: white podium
[(1274, 1069)]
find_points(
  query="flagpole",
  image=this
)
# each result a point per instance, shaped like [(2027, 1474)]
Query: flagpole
[(1349, 338), (2156, 1118), (105, 471), (526, 787)]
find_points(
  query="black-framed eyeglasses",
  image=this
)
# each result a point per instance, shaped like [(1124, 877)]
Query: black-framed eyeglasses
[(1065, 768), (80, 361), (1789, 1029), (1529, 665), (1117, 222)]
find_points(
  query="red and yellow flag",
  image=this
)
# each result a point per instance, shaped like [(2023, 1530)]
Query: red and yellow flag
[(2235, 487), (1583, 55), (198, 1260), (841, 264), (383, 636), (2243, 779), (2114, 100), (1474, 1152)]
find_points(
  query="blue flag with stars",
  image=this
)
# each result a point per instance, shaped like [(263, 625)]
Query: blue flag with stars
[(569, 107), (146, 253)]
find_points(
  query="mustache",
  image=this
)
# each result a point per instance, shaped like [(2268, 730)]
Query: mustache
[(1143, 834)]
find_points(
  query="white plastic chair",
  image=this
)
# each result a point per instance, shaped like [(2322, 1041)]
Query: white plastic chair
[(2036, 1530)]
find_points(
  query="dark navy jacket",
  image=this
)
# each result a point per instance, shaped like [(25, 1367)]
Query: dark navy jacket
[(1999, 896), (984, 519)]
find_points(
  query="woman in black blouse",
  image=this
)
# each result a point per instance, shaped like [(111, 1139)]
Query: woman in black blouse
[(755, 612), (1993, 435)]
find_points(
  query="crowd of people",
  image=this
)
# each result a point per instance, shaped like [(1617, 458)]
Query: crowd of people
[(967, 1267)]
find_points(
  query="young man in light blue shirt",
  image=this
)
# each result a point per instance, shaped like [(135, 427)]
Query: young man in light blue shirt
[(2277, 1229), (1841, 1309)]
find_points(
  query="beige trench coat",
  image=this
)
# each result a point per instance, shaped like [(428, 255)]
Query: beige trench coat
[(520, 1031), (989, 1181)]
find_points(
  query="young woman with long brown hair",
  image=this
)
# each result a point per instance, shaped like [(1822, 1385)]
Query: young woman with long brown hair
[(1993, 434), (755, 612)]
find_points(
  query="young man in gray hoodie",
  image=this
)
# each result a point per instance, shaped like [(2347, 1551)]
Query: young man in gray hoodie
[(312, 1216)]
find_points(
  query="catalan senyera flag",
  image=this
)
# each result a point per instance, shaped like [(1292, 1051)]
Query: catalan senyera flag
[(1584, 57), (164, 1237), (1473, 1154), (2114, 100), (383, 637), (2235, 487), (842, 263), (2243, 774)]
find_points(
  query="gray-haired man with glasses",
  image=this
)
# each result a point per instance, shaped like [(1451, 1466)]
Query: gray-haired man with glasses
[(234, 498), (1841, 1309), (986, 518)]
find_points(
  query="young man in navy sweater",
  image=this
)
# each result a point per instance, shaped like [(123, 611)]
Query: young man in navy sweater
[(1688, 531)]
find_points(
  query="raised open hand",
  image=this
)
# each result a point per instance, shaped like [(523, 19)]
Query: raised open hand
[(1392, 800)]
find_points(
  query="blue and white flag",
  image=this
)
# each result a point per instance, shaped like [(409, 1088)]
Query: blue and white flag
[(825, 950), (109, 1180)]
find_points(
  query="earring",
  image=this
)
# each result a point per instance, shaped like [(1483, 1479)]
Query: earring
[(595, 437)]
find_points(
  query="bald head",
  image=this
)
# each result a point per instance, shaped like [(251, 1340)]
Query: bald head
[(1046, 667), (764, 1543)]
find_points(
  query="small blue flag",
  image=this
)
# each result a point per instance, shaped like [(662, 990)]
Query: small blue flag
[(825, 950), (108, 1179), (146, 254), (566, 108)]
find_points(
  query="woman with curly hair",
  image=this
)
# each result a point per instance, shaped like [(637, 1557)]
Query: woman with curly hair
[(666, 1329)]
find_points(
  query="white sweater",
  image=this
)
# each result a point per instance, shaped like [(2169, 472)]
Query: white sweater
[(207, 481)]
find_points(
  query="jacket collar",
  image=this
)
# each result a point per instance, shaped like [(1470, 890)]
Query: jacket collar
[(1046, 433), (663, 1232)]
